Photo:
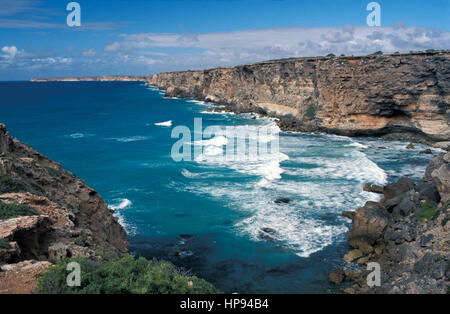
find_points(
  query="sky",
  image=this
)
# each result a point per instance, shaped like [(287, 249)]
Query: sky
[(141, 37)]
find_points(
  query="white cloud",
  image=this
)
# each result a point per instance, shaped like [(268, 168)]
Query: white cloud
[(89, 53), (231, 48), (115, 46), (10, 52)]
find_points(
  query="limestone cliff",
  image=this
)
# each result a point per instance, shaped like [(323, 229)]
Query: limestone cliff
[(66, 217), (400, 95)]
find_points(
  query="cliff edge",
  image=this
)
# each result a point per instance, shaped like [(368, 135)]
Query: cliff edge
[(47, 213), (401, 96)]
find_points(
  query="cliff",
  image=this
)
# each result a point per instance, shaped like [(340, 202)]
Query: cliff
[(47, 213), (400, 96)]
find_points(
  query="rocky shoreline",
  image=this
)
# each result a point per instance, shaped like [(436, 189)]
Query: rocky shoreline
[(49, 214), (407, 233)]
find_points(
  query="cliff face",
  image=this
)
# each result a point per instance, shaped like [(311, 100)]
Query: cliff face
[(68, 218), (403, 95)]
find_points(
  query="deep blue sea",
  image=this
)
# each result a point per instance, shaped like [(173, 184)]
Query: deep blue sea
[(208, 215)]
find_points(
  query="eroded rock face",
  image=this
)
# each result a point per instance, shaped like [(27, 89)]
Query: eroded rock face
[(21, 278), (441, 178), (29, 233), (369, 223), (73, 215), (403, 96), (413, 251)]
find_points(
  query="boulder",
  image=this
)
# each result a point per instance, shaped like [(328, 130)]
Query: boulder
[(434, 164), (441, 177), (373, 188), (362, 244), (446, 158), (397, 188), (377, 189), (410, 146), (404, 208), (428, 191), (426, 151), (353, 255), (337, 276), (369, 223)]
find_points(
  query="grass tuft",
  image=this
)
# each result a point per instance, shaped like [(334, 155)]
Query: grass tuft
[(8, 211)]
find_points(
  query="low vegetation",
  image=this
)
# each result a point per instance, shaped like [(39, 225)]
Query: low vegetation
[(126, 275), (8, 211), (310, 112), (428, 211), (8, 185)]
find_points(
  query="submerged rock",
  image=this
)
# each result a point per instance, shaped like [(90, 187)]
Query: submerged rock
[(282, 201)]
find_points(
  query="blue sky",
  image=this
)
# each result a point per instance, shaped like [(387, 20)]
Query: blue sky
[(145, 37)]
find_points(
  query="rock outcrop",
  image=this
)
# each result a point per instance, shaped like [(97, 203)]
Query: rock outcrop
[(407, 233), (399, 96), (69, 219)]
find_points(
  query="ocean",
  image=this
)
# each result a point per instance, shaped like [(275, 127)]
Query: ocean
[(217, 219)]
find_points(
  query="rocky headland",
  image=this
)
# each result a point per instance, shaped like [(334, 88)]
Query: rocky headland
[(407, 233), (47, 213)]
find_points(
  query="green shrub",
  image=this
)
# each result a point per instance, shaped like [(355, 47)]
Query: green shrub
[(79, 242), (9, 185), (8, 211), (54, 172), (428, 211), (310, 112), (4, 244), (126, 275)]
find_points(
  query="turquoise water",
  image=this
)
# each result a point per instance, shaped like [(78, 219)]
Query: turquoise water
[(207, 215)]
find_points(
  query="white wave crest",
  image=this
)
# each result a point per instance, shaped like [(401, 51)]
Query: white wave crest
[(121, 203), (165, 124), (131, 139)]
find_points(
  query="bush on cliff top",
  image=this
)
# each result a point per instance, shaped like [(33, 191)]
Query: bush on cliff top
[(126, 275), (8, 211)]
